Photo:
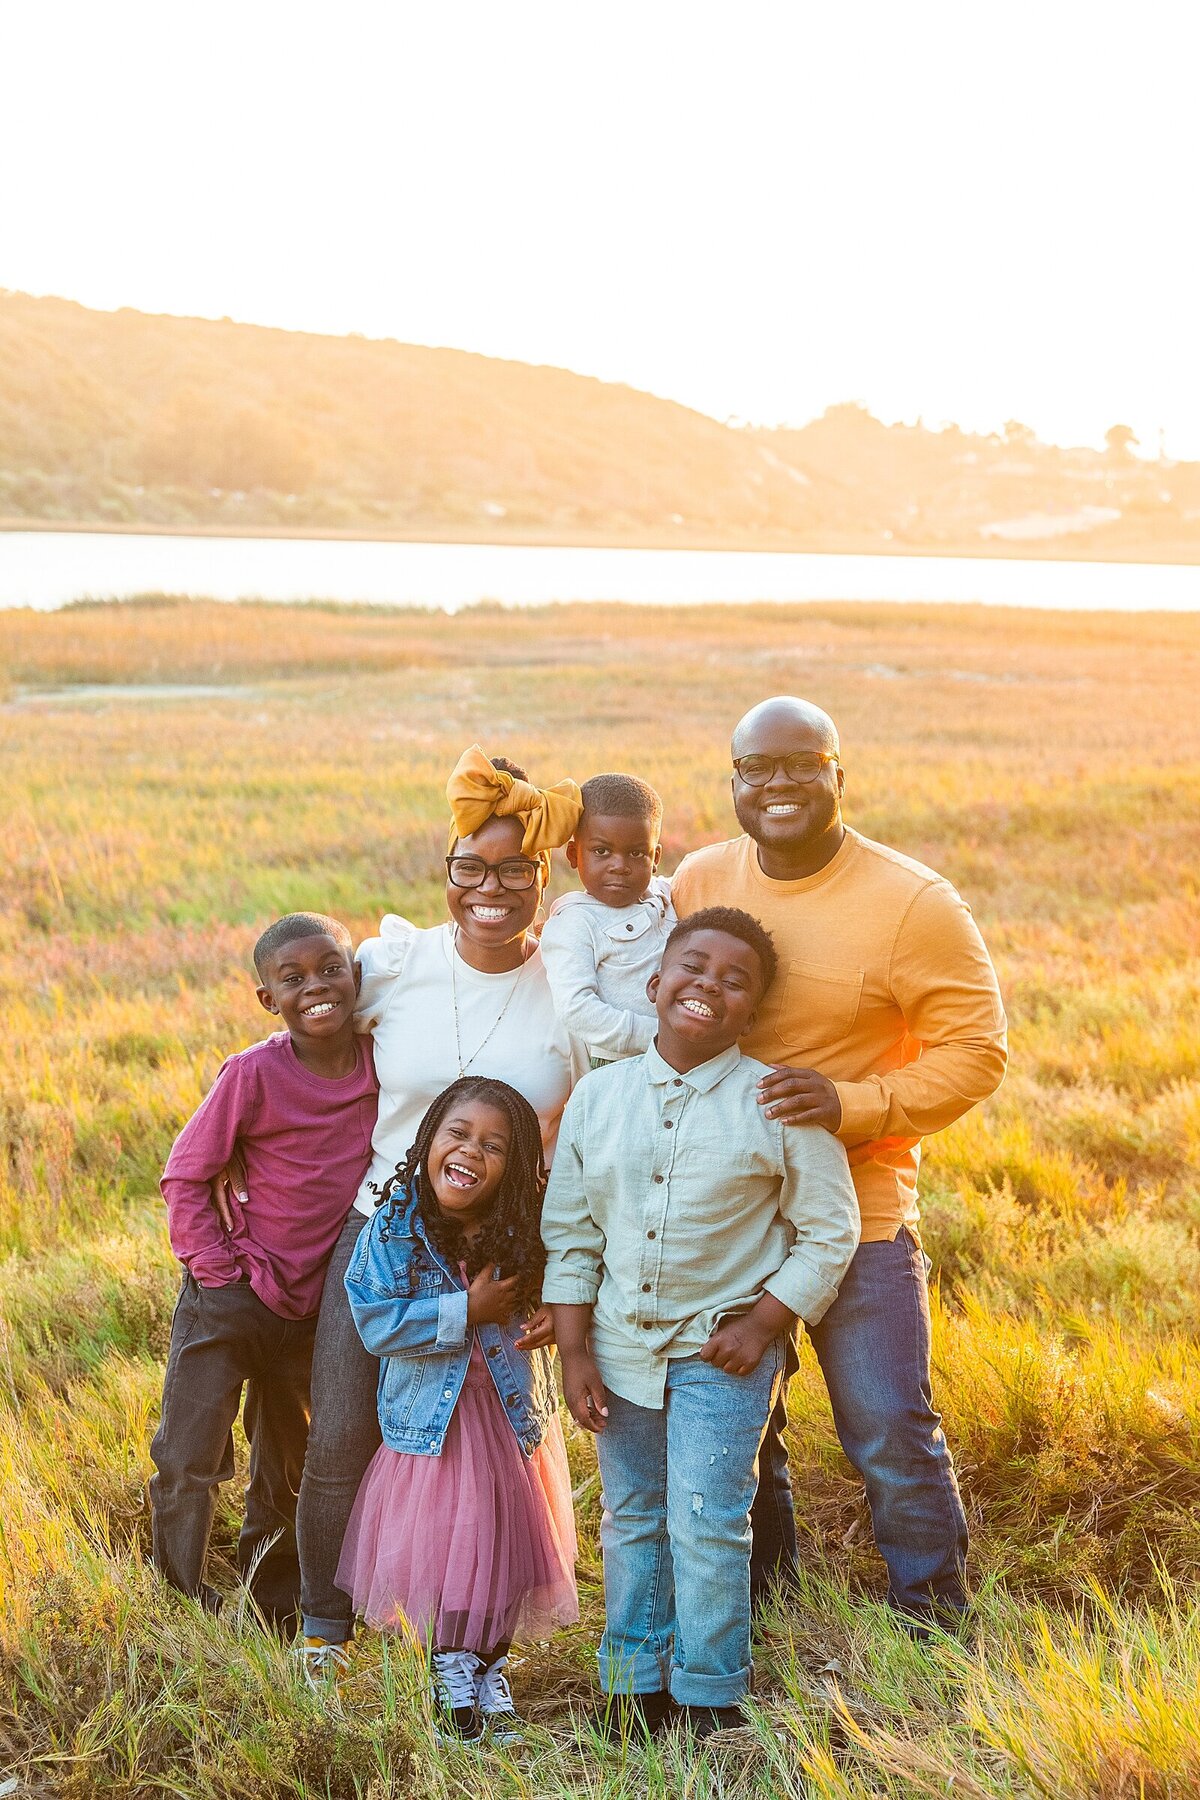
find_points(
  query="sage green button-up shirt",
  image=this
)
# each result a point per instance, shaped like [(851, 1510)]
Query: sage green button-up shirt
[(674, 1200)]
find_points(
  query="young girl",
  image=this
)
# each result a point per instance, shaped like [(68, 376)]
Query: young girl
[(462, 1530)]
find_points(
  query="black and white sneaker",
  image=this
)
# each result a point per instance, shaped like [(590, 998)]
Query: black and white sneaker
[(454, 1683), (502, 1722)]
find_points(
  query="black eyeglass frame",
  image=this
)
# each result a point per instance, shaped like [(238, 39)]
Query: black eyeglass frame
[(781, 762), (523, 887)]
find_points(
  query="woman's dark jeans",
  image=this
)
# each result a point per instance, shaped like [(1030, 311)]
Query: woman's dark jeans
[(343, 1437), (873, 1348)]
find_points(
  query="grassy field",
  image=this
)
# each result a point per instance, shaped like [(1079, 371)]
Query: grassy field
[(1050, 765)]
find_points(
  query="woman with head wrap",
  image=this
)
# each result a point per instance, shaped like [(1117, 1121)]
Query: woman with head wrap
[(468, 997)]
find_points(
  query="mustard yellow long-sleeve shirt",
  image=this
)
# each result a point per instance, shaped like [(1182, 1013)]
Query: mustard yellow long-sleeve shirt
[(884, 986)]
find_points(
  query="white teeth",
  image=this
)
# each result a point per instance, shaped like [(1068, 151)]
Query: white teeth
[(783, 806), (319, 1010), (459, 1176), (488, 913), (698, 1007)]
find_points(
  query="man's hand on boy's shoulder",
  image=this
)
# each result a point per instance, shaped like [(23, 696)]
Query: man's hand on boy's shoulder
[(800, 1097)]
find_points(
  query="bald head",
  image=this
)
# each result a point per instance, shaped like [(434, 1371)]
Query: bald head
[(785, 716), (787, 785)]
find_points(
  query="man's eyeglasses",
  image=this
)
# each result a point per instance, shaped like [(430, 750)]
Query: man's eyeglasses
[(514, 873), (802, 766)]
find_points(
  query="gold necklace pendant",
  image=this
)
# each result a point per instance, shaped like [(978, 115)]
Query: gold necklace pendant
[(464, 1066)]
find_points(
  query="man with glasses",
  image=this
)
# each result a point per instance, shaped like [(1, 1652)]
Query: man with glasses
[(884, 1023)]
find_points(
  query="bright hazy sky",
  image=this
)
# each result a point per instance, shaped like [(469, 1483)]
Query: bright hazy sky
[(966, 211)]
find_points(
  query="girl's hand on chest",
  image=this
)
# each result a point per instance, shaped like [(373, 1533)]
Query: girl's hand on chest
[(491, 1301)]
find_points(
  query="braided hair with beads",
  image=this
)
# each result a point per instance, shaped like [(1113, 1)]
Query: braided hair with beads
[(512, 1235)]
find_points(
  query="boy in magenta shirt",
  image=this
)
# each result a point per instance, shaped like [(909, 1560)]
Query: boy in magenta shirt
[(299, 1109)]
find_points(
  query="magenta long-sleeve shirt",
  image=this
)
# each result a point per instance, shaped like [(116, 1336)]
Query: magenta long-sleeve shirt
[(306, 1144)]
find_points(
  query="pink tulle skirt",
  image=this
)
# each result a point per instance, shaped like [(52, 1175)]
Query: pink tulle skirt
[(473, 1547)]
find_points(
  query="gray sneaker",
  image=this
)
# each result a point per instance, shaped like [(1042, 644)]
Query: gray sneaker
[(502, 1722)]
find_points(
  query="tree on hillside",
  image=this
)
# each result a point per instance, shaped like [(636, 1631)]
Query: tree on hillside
[(1120, 440), (848, 412)]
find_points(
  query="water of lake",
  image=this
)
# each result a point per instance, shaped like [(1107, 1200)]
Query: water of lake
[(45, 569)]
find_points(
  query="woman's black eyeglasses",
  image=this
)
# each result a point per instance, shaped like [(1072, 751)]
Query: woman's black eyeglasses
[(514, 873), (802, 766)]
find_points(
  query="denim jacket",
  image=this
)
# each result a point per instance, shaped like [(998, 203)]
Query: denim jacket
[(411, 1309)]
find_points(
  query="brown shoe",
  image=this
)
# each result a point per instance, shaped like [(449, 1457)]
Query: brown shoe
[(706, 1721), (631, 1716)]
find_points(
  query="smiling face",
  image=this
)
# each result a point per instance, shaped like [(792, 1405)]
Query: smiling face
[(494, 919), (615, 857), (467, 1158), (311, 984), (705, 996), (796, 825)]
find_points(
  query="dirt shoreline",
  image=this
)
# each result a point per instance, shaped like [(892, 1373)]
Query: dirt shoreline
[(1182, 553)]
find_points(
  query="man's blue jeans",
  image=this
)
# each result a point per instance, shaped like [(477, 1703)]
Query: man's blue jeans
[(678, 1486), (873, 1348)]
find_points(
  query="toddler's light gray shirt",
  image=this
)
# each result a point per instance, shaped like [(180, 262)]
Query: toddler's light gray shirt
[(598, 960)]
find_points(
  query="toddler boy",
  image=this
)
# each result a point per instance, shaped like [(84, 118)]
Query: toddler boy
[(601, 947), (299, 1109), (685, 1234)]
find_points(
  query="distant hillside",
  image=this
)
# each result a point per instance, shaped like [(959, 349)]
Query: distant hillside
[(949, 490), (138, 420)]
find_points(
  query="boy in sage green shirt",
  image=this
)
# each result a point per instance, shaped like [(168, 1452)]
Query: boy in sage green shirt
[(686, 1232)]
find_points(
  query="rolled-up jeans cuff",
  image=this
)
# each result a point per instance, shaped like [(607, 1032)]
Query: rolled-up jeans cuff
[(334, 1631), (641, 1673), (709, 1690)]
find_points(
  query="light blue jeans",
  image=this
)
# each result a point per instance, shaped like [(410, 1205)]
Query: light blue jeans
[(678, 1486)]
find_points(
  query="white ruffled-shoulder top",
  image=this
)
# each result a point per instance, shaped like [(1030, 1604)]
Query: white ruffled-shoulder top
[(407, 1003)]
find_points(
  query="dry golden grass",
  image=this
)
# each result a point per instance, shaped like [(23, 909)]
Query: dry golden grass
[(1050, 764)]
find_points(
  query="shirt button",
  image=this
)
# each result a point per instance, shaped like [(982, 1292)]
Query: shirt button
[(677, 1082), (652, 1234), (645, 1287), (447, 1393), (667, 1123), (657, 1178), (495, 1350), (511, 1400), (647, 1325), (629, 928)]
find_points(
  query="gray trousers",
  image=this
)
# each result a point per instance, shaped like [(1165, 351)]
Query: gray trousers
[(224, 1340)]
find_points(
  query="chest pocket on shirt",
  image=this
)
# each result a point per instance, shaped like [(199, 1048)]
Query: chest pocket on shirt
[(630, 930), (817, 1007)]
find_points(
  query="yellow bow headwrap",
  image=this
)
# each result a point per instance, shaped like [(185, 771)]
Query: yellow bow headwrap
[(477, 792)]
